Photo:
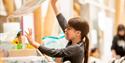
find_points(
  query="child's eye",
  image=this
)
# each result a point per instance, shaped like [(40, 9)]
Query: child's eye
[(68, 27)]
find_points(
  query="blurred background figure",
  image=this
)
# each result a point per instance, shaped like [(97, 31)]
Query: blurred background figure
[(20, 41), (94, 56), (18, 38), (118, 43)]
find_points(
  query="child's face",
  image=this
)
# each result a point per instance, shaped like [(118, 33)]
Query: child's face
[(70, 33), (121, 33), (20, 36)]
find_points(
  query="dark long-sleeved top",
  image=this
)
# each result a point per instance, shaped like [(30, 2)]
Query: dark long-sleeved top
[(72, 53), (118, 44)]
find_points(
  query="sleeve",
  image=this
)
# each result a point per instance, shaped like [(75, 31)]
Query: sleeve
[(62, 21), (65, 52), (114, 43)]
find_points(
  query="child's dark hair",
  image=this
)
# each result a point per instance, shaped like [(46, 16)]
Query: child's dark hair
[(18, 34), (121, 27), (82, 26), (93, 50)]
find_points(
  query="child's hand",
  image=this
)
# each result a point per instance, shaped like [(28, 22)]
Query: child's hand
[(29, 36), (30, 39)]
